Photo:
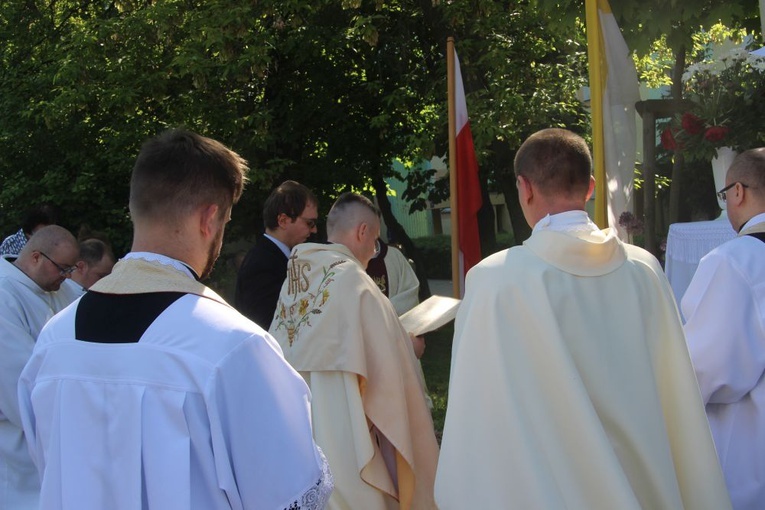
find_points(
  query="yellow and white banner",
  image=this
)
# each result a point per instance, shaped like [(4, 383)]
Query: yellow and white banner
[(614, 91)]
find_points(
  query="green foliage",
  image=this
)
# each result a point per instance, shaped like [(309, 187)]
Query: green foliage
[(436, 363), (655, 67), (327, 93), (645, 21), (437, 251)]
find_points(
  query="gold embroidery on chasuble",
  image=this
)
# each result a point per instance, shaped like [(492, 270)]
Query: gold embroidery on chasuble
[(382, 283), (296, 316)]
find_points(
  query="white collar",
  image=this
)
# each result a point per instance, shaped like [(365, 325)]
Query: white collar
[(162, 259), (568, 221), (10, 270), (285, 249), (759, 218)]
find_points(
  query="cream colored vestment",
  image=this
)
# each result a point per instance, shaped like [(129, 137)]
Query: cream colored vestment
[(341, 333), (571, 386)]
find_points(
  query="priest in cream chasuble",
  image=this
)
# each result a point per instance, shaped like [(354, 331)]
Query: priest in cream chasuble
[(368, 405)]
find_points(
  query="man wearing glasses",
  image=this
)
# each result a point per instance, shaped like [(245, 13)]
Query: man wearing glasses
[(27, 301), (289, 217), (725, 329)]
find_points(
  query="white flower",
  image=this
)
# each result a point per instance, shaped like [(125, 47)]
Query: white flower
[(758, 63), (739, 53)]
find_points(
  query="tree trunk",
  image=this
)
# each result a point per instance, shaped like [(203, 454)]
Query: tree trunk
[(521, 229), (398, 232), (503, 164), (677, 166), (487, 224)]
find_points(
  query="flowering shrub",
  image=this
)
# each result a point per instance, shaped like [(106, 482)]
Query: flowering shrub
[(728, 95)]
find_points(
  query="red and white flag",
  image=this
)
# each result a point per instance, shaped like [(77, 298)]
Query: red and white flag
[(468, 188)]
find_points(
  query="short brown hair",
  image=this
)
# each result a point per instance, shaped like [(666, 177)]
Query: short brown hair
[(178, 171), (749, 168), (288, 198), (557, 161), (93, 250)]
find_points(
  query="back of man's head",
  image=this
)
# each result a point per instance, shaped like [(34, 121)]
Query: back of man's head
[(39, 216), (348, 211), (93, 250), (179, 171), (96, 261), (557, 162), (749, 168), (289, 198)]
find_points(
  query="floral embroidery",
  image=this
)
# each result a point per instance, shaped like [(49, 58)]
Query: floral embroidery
[(292, 318)]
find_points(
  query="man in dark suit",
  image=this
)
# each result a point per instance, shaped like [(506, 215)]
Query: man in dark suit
[(289, 216)]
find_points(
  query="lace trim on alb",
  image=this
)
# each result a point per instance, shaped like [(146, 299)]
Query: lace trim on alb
[(317, 497)]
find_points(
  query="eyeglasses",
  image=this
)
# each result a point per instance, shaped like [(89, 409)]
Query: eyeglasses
[(377, 248), (63, 271), (311, 222), (721, 194)]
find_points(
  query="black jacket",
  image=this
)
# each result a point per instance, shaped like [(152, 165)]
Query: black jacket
[(259, 281)]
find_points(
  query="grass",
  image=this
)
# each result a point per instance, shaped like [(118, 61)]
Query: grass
[(436, 363)]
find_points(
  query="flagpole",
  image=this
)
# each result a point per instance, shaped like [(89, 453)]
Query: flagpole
[(594, 58), (453, 219)]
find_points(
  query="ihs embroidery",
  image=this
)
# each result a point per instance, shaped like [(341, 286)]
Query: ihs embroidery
[(299, 313)]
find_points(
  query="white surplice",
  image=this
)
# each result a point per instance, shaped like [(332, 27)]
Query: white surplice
[(403, 285), (68, 293), (724, 308), (24, 310), (201, 413), (571, 385)]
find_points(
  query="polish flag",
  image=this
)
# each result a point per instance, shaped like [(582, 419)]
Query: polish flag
[(468, 189)]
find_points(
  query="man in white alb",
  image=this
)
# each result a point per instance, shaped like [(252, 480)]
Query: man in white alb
[(724, 308), (571, 386), (28, 288), (151, 391)]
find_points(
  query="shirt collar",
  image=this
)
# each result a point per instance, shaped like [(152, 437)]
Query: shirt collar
[(164, 259), (285, 249), (568, 221), (759, 218)]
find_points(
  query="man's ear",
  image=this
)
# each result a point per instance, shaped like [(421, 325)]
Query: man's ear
[(524, 188), (361, 230), (208, 220), (283, 220), (591, 189)]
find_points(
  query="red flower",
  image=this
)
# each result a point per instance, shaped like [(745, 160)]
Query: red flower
[(692, 124), (668, 140), (716, 134)]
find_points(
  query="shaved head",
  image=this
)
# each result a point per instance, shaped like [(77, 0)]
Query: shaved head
[(47, 255), (349, 211), (48, 239)]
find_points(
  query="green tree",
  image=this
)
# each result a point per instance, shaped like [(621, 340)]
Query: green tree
[(324, 92), (661, 32)]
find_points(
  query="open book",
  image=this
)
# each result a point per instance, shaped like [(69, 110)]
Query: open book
[(430, 315)]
